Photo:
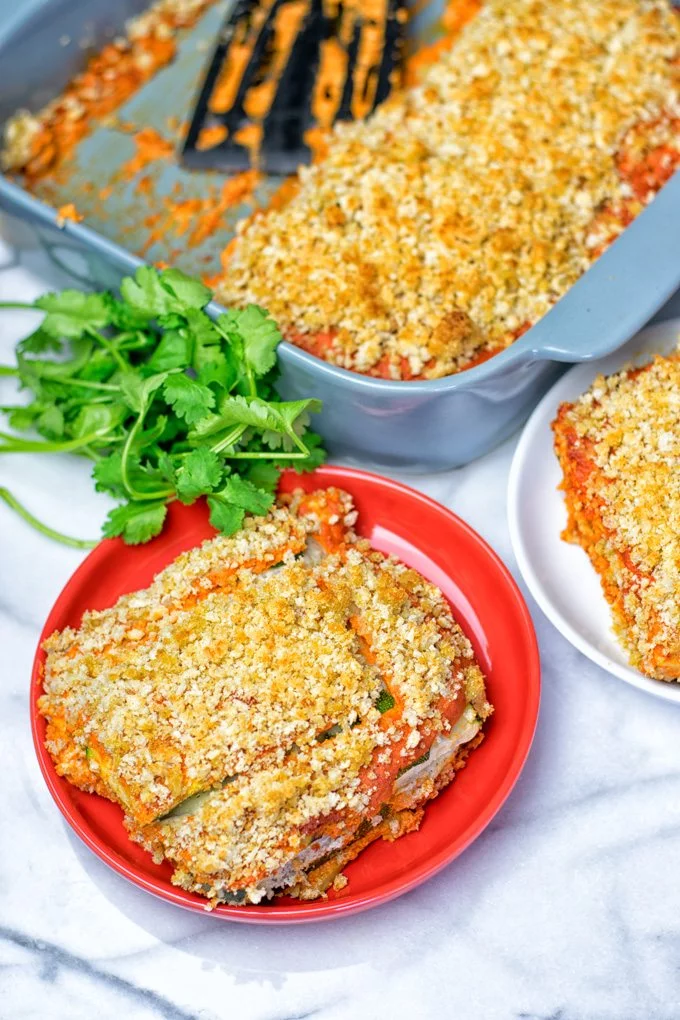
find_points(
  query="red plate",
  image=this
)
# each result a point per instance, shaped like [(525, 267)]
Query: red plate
[(489, 608)]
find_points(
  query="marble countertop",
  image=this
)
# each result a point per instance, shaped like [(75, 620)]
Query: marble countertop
[(566, 908)]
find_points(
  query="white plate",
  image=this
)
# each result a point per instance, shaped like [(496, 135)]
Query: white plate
[(560, 575)]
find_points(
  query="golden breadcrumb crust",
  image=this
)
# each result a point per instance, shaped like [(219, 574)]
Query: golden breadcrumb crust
[(619, 448), (258, 703), (433, 234)]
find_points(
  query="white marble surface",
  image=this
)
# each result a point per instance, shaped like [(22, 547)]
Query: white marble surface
[(566, 908)]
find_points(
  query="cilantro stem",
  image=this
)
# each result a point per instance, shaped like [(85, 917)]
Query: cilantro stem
[(135, 343), (19, 304), (8, 370), (108, 346), (87, 451), (229, 440), (15, 444), (298, 442), (75, 543), (265, 455), (156, 494), (88, 401), (126, 451), (90, 384), (125, 477)]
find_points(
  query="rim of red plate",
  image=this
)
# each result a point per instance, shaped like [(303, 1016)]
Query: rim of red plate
[(315, 910)]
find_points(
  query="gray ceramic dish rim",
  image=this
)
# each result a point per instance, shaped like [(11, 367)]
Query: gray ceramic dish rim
[(613, 299)]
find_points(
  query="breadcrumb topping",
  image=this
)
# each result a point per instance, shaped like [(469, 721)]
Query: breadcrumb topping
[(255, 705), (619, 445), (434, 233)]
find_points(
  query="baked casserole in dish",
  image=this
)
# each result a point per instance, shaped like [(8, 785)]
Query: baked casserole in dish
[(513, 208)]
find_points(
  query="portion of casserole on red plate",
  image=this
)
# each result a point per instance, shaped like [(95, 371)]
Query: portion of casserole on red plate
[(271, 704)]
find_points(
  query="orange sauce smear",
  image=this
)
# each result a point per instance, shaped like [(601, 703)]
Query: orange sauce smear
[(197, 219), (150, 146), (211, 136), (68, 213)]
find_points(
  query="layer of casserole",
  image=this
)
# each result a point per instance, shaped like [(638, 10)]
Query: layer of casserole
[(269, 705)]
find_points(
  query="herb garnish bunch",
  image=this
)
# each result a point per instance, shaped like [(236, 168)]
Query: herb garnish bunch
[(167, 402)]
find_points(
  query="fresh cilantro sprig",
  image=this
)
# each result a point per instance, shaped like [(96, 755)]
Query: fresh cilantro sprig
[(166, 402)]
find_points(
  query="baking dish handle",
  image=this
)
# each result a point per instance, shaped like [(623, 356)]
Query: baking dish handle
[(621, 291)]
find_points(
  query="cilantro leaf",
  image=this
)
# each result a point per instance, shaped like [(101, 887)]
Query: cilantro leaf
[(51, 422), (166, 467), (98, 368), (263, 415), (212, 360), (131, 389), (146, 294), (244, 494), (123, 316), (189, 398), (172, 403), (200, 473), (108, 476), (238, 495), (225, 517), (100, 418), (189, 293), (214, 367), (294, 420), (32, 370), (294, 414), (155, 294), (71, 312), (264, 474), (173, 351), (175, 428), (151, 435), (135, 522), (21, 418), (259, 333), (137, 392), (172, 320), (202, 327), (39, 342)]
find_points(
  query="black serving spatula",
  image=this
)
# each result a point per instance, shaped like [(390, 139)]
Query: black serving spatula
[(283, 67)]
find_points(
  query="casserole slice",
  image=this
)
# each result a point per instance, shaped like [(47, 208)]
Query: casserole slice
[(260, 722), (619, 449)]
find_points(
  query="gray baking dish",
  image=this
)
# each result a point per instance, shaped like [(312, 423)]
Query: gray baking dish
[(421, 426)]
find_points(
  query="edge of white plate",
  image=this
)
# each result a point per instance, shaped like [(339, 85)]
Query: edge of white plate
[(657, 337)]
